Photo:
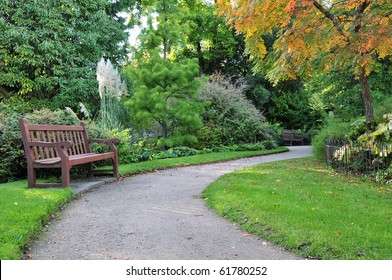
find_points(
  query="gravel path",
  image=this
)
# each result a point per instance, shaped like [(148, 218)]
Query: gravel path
[(156, 216)]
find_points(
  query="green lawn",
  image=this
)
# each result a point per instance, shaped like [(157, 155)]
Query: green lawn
[(308, 208), (23, 212)]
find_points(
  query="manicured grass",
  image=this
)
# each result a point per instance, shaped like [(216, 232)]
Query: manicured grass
[(309, 209), (147, 166), (23, 212)]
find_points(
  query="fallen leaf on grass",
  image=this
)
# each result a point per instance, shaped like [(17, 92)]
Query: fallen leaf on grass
[(247, 234)]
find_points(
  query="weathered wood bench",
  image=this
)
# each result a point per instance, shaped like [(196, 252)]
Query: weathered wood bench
[(62, 146), (290, 137)]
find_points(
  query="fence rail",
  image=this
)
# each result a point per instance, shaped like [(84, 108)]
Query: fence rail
[(360, 159)]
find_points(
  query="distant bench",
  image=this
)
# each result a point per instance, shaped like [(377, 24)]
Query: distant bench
[(289, 137), (62, 146)]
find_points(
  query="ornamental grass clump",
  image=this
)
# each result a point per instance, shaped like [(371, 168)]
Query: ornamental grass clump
[(111, 88)]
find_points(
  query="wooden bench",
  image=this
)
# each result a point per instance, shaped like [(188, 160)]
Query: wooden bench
[(62, 146), (290, 137)]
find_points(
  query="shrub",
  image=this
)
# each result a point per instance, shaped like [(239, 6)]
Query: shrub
[(230, 118), (180, 151), (361, 152), (335, 130), (12, 160), (133, 146)]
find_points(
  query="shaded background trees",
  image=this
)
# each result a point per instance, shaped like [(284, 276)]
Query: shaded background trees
[(49, 49)]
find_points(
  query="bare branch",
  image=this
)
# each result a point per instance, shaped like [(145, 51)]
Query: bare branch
[(335, 20), (358, 16)]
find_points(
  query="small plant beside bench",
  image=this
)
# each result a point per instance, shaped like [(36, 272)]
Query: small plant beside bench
[(289, 137), (62, 146)]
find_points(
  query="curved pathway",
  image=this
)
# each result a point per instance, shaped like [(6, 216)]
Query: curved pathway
[(156, 216)]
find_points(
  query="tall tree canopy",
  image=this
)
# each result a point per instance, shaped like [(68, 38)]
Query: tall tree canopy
[(345, 35), (49, 48), (211, 41)]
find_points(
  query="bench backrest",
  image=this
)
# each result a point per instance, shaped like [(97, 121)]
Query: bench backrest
[(53, 133), (287, 134)]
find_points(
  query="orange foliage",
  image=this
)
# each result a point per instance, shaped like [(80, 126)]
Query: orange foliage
[(351, 34)]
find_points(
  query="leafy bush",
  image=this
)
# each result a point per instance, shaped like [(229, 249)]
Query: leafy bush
[(133, 147), (183, 151), (180, 151), (335, 130), (363, 152), (230, 118)]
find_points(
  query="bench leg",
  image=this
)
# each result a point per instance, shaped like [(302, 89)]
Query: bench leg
[(65, 177), (31, 176), (115, 167), (90, 170)]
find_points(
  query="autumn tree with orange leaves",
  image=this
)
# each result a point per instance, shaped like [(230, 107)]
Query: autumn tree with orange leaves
[(347, 35)]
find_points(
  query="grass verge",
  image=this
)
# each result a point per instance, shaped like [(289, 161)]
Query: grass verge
[(23, 211), (308, 208), (147, 166)]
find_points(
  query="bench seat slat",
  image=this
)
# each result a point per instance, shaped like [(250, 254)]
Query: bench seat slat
[(73, 160)]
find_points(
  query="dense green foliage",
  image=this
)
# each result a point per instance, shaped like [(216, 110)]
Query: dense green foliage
[(307, 208), (217, 48), (334, 130), (49, 49), (230, 118)]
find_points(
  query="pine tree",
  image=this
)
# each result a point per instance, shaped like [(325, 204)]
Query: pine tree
[(165, 89)]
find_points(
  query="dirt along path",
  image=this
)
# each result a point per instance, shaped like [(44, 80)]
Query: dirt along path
[(154, 216)]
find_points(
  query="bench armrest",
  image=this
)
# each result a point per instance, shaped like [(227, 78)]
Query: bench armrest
[(106, 141), (109, 142), (60, 147)]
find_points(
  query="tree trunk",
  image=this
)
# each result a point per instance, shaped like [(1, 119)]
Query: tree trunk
[(367, 100), (201, 58)]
